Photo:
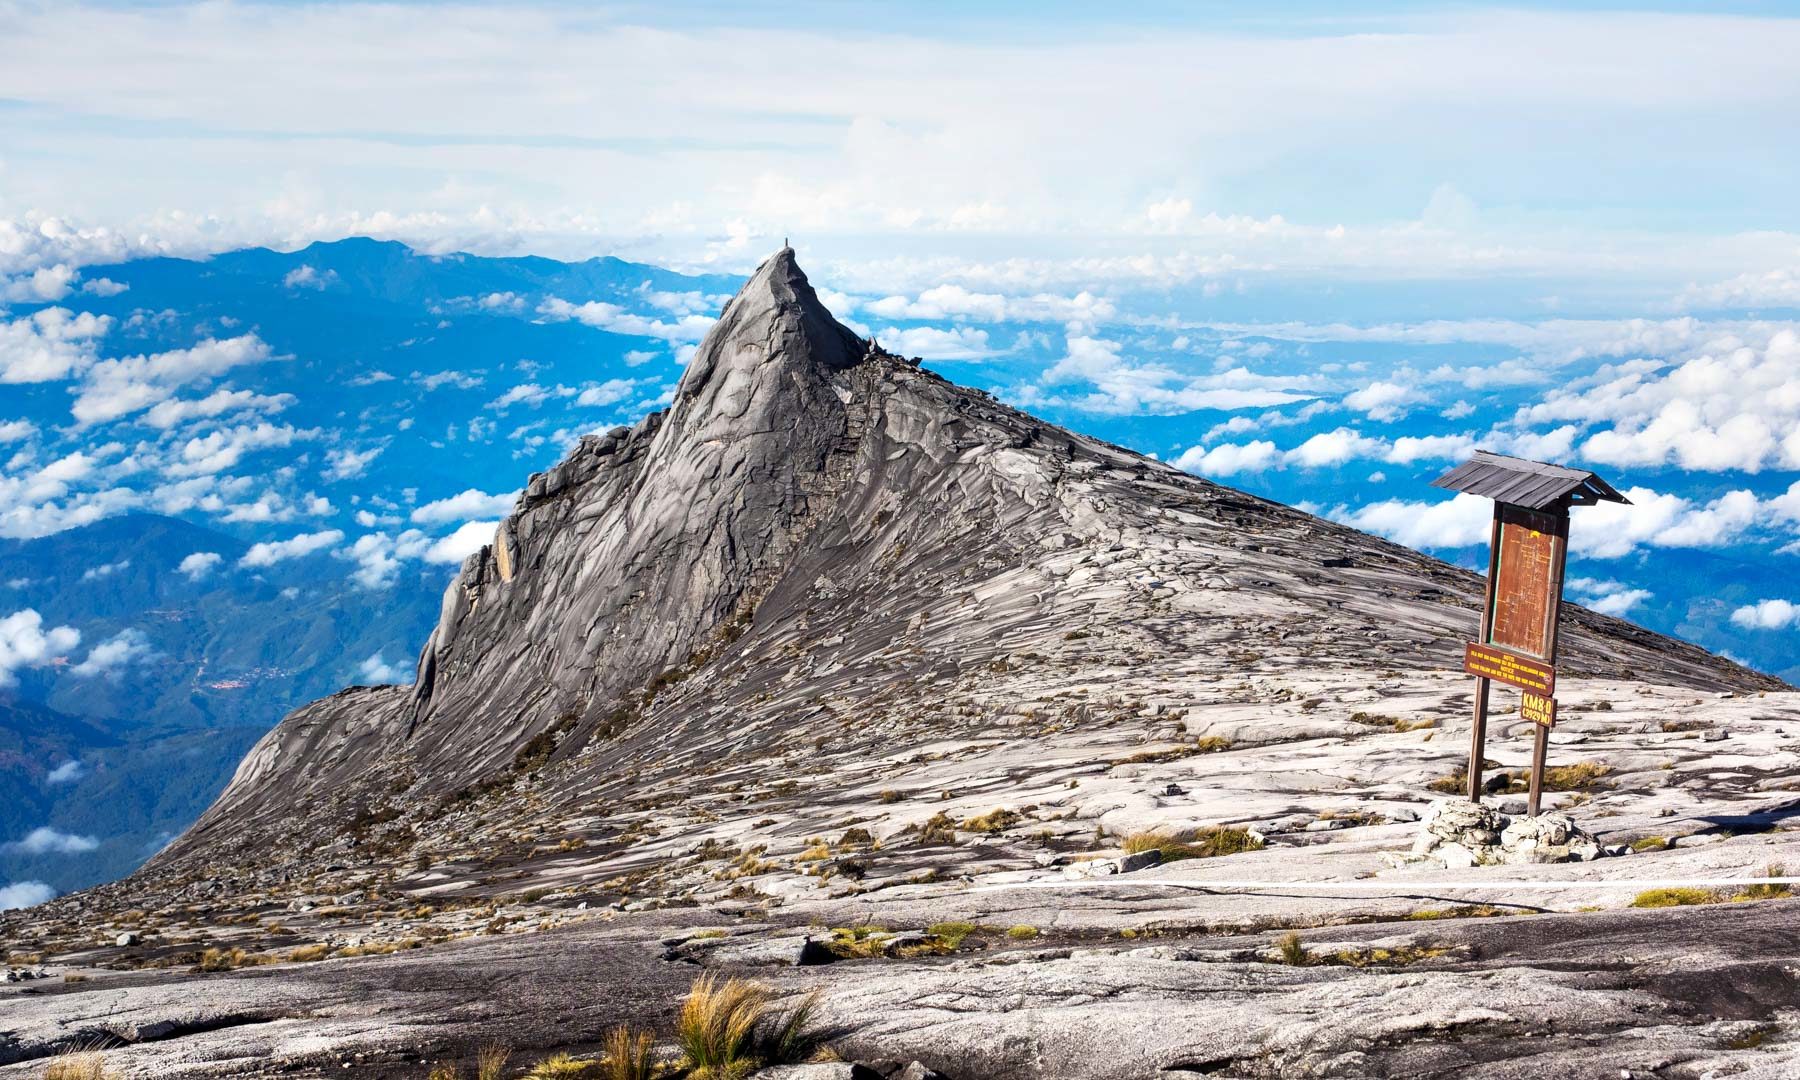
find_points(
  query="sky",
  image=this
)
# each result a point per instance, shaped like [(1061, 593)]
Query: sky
[(1313, 251)]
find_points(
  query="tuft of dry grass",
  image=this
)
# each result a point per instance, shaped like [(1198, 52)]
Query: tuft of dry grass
[(1212, 744), (231, 959), (1581, 776), (79, 1065), (1454, 784), (490, 1061), (717, 1027), (630, 1054), (564, 1066), (728, 1028), (1206, 843), (940, 830), (1679, 897), (992, 822), (307, 954), (1292, 950), (858, 942), (1767, 892)]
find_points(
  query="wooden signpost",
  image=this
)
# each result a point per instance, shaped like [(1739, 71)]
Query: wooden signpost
[(1528, 548)]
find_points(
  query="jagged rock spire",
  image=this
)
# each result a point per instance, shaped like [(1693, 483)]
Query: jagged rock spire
[(775, 316)]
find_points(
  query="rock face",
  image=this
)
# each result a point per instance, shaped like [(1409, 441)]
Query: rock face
[(1454, 834)]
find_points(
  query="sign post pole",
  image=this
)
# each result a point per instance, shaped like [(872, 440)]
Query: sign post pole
[(1478, 730), (1540, 746)]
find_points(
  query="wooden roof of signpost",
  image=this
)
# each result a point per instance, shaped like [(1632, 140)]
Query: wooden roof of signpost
[(1531, 484)]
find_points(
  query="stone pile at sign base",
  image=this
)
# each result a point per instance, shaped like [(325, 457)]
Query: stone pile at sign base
[(1454, 834)]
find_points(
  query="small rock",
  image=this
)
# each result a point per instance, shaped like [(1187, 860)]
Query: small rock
[(820, 1070), (1139, 861), (793, 950), (128, 939), (1714, 735)]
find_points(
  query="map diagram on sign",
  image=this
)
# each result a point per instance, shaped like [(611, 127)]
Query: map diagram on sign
[(1524, 590)]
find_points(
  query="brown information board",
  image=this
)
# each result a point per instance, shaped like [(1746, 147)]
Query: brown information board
[(1525, 585), (1512, 668)]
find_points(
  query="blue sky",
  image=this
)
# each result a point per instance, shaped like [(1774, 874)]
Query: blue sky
[(1314, 252)]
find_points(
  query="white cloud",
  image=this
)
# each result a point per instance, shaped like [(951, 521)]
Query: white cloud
[(111, 656), (611, 317), (45, 840), (1604, 531), (103, 287), (105, 570), (66, 773), (114, 388), (462, 543), (270, 552), (1734, 406), (42, 285), (501, 301), (347, 463), (378, 556), (16, 430), (461, 380), (530, 394), (1128, 386), (1608, 598), (1229, 459), (376, 671), (1463, 521), (1382, 400), (464, 506), (225, 448), (201, 563), (1408, 448), (951, 301), (308, 277), (24, 894), (1335, 448), (49, 345), (932, 343), (610, 392), (1778, 287), (176, 411), (1767, 615), (25, 643)]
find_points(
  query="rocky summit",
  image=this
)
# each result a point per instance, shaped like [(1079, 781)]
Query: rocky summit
[(1022, 754)]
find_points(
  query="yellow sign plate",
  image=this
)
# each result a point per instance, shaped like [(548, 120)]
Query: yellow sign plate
[(1538, 709), (1512, 668)]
